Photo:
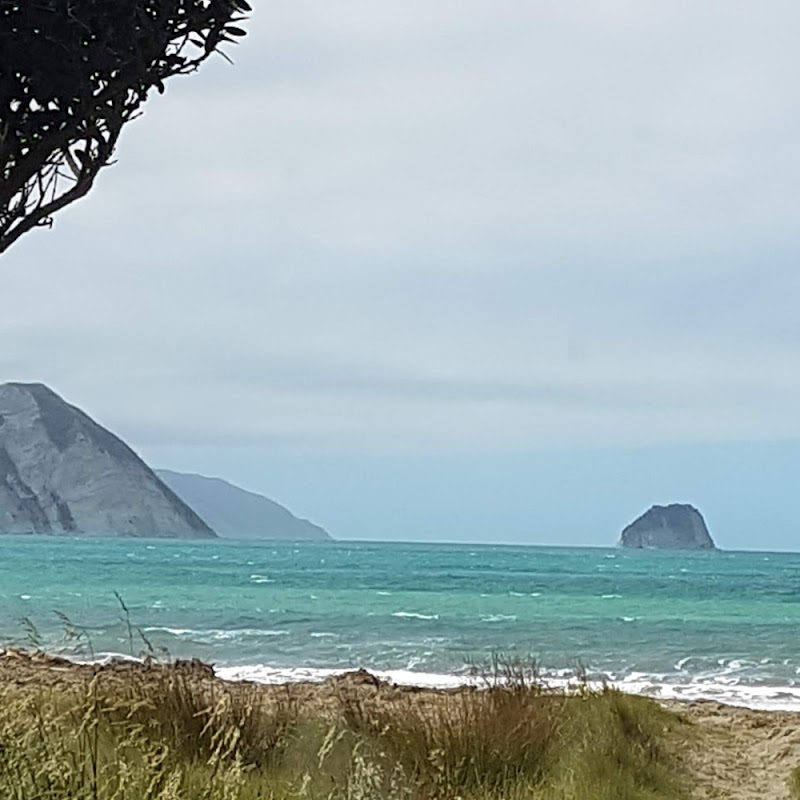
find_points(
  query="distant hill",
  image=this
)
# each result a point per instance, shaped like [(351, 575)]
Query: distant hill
[(238, 514), (63, 474)]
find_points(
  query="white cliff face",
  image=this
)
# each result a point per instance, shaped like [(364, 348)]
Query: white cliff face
[(62, 473)]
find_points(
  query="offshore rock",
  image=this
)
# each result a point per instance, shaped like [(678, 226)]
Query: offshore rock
[(673, 527), (236, 513), (62, 473)]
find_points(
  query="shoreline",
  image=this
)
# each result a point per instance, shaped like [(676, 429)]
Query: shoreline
[(777, 698), (770, 698)]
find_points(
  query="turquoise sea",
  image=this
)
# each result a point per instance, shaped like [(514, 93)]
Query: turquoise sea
[(722, 625)]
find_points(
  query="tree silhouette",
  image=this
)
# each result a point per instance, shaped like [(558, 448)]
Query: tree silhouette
[(72, 74)]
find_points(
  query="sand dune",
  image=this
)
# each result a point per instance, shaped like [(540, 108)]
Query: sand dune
[(728, 752)]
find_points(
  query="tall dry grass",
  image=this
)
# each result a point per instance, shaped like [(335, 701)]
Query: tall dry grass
[(794, 783), (169, 733)]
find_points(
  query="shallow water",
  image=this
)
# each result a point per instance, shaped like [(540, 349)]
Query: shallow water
[(717, 625)]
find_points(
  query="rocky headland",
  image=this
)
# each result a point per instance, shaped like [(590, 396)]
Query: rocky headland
[(235, 513), (677, 526), (62, 473)]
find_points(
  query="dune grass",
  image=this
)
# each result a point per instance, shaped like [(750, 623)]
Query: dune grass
[(167, 734), (794, 783)]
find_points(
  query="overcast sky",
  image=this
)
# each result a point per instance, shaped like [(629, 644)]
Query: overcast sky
[(498, 271)]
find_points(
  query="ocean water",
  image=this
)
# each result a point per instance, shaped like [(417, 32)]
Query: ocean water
[(719, 625)]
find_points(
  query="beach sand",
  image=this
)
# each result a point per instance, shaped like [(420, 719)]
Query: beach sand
[(738, 753), (729, 752)]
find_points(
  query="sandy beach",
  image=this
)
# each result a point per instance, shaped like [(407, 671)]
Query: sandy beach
[(738, 753), (726, 751)]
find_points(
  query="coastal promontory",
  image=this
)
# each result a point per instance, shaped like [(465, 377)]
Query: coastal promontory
[(63, 474), (235, 513), (677, 526)]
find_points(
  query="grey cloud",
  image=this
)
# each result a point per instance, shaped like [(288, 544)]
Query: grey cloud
[(441, 221)]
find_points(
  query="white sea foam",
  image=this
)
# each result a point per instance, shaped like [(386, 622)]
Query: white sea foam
[(108, 658), (718, 688), (216, 634), (414, 615), (402, 677), (771, 698)]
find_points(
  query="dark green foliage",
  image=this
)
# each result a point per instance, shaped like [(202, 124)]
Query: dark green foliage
[(72, 73)]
